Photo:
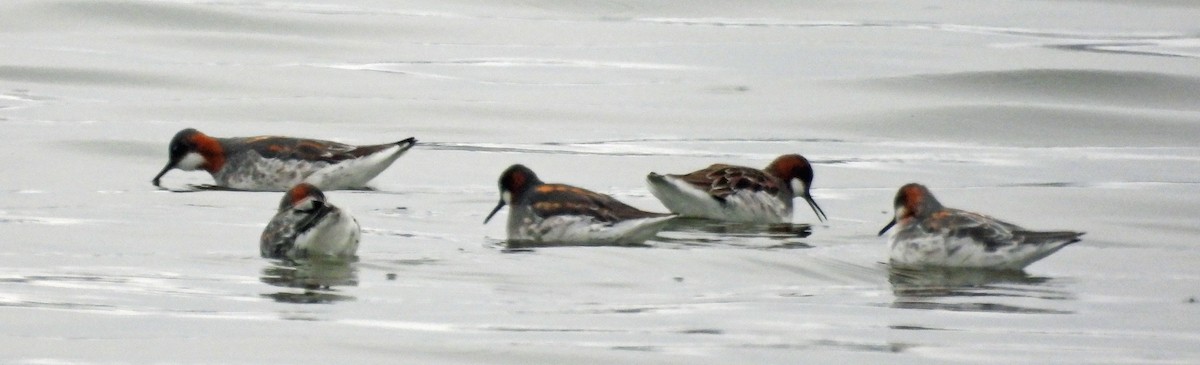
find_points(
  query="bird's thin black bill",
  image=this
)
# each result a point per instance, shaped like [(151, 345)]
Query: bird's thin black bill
[(158, 178), (816, 209), (887, 227), (497, 209)]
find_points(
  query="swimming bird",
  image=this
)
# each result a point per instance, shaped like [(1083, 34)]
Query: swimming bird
[(737, 193), (307, 226), (271, 163), (562, 214), (929, 234)]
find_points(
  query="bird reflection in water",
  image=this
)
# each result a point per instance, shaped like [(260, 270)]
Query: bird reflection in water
[(705, 232), (973, 290), (316, 277), (685, 232)]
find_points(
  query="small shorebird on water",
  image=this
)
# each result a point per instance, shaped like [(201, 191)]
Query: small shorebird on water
[(563, 214), (307, 226), (271, 163), (737, 193), (929, 234)]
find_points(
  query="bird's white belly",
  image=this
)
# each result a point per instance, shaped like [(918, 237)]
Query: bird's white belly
[(337, 235), (742, 206), (250, 171), (255, 173), (756, 206), (354, 174), (964, 252), (582, 230)]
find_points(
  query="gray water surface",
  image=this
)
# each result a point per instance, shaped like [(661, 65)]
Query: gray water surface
[(1076, 115)]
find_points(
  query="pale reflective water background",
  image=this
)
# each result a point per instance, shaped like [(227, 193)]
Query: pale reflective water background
[(1052, 114)]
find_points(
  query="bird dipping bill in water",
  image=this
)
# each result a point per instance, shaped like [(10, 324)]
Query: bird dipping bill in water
[(272, 163), (738, 193), (929, 234), (564, 214)]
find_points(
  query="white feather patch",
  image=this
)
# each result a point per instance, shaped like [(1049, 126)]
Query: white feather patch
[(190, 162)]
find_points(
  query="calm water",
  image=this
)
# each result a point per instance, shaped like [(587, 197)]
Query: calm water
[(1075, 115)]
